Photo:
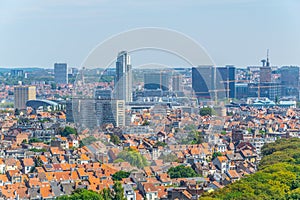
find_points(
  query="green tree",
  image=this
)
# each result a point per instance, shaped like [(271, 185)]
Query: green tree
[(160, 144), (171, 157), (146, 123), (115, 139), (216, 154), (133, 157), (207, 111), (82, 194), (17, 111), (68, 131), (197, 137), (118, 176), (34, 140), (118, 191), (181, 171), (118, 160), (38, 162), (38, 150), (53, 86), (193, 137), (106, 194), (87, 141)]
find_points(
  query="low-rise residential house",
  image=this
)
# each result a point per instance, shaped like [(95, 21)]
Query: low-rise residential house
[(28, 165), (221, 162), (249, 155), (129, 192), (179, 193), (221, 147), (233, 175), (82, 174), (149, 191), (161, 136), (4, 180), (73, 141), (164, 179), (21, 137), (138, 177), (84, 159), (2, 166), (11, 164), (14, 176), (258, 143)]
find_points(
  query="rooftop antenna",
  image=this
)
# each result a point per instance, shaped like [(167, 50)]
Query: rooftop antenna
[(268, 63)]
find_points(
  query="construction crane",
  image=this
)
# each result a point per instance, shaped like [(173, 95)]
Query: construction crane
[(231, 81), (215, 94), (262, 86), (247, 81)]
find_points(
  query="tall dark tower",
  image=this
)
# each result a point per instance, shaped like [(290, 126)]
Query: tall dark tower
[(123, 80), (266, 71)]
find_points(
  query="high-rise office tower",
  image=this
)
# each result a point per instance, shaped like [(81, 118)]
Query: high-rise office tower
[(22, 94), (109, 110), (69, 111), (61, 73), (123, 79), (227, 77), (217, 81), (84, 112), (265, 74), (266, 71), (202, 81), (177, 82), (156, 80), (289, 76), (74, 71), (289, 79)]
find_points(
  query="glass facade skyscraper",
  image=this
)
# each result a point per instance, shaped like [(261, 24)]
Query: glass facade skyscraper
[(61, 73), (123, 79)]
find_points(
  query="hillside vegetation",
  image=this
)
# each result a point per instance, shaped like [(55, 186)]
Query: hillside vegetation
[(278, 176)]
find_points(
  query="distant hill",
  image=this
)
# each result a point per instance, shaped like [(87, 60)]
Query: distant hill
[(278, 176), (30, 69)]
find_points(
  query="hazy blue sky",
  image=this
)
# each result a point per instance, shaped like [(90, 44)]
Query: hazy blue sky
[(42, 32)]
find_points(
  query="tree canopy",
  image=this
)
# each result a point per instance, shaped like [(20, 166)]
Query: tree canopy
[(115, 139), (118, 176), (117, 193), (207, 111), (87, 141), (68, 131), (278, 176), (171, 157), (181, 171), (133, 157), (193, 137)]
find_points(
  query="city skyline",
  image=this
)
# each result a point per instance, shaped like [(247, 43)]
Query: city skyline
[(241, 38), (156, 100)]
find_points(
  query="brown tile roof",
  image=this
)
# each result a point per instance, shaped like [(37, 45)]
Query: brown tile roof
[(222, 158), (149, 187), (46, 192), (162, 191), (28, 162), (233, 174)]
